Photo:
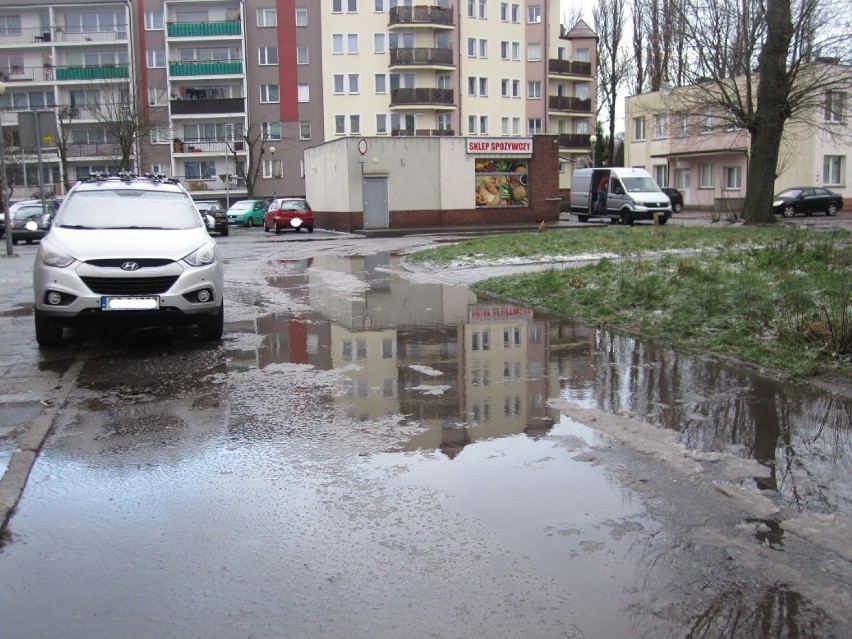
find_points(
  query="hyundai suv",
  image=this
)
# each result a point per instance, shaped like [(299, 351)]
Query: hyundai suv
[(127, 251)]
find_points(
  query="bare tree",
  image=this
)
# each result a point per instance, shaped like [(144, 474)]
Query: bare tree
[(659, 46), (613, 61), (639, 70), (755, 69), (255, 141)]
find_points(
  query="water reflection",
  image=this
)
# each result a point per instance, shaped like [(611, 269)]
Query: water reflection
[(468, 368)]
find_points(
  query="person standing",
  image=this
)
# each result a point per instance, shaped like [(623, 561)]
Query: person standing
[(600, 200)]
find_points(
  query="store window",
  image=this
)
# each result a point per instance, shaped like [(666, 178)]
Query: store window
[(501, 182)]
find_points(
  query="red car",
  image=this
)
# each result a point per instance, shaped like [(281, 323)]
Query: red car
[(289, 213)]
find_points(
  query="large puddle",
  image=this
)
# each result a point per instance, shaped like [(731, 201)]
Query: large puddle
[(470, 369)]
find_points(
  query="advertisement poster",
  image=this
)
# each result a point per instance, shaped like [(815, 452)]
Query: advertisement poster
[(501, 182)]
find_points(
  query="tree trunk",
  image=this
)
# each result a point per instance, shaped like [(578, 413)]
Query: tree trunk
[(771, 113)]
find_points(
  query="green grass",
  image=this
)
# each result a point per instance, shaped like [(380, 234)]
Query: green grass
[(777, 298)]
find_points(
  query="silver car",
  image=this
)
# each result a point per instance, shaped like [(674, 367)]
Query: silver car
[(127, 251)]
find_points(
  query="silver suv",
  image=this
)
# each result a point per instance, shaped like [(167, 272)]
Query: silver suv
[(127, 251)]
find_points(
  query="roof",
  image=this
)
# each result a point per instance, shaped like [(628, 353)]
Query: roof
[(580, 30)]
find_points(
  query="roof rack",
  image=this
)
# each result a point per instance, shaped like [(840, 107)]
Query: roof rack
[(128, 176)]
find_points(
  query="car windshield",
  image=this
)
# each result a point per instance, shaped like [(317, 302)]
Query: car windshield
[(292, 205), (640, 185), (28, 212), (241, 206), (790, 193), (129, 209)]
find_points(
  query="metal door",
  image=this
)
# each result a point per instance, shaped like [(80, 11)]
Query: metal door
[(376, 203)]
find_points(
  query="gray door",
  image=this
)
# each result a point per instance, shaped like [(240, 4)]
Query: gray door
[(376, 203)]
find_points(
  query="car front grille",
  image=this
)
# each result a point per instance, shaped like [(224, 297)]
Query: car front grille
[(142, 262), (129, 285)]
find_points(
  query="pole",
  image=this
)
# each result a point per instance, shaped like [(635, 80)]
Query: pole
[(40, 166), (6, 216)]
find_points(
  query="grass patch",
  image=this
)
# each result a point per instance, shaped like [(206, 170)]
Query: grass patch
[(779, 298)]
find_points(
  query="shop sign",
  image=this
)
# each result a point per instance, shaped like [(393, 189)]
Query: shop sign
[(497, 313), (500, 145)]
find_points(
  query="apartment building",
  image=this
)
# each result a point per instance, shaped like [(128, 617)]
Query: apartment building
[(697, 150), (227, 94)]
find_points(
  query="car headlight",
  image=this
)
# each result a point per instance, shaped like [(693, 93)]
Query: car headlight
[(202, 256), (777, 202), (50, 256)]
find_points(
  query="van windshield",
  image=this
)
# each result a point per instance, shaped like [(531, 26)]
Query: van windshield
[(640, 185)]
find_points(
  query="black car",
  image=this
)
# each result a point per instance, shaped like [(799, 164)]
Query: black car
[(217, 211), (806, 200), (675, 197), (30, 213)]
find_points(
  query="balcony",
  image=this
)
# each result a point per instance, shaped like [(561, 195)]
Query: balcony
[(429, 16), (107, 72), (41, 73), (205, 107), (422, 56), (11, 37), (422, 97), (435, 133), (105, 150), (211, 67), (234, 184), (567, 67), (217, 147), (564, 103), (575, 141), (204, 29)]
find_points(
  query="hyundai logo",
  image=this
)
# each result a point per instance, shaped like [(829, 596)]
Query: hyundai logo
[(130, 266)]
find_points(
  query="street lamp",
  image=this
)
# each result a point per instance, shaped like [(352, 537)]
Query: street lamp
[(593, 140), (5, 191), (272, 168)]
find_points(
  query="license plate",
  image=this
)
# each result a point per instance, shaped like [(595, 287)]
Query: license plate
[(129, 303)]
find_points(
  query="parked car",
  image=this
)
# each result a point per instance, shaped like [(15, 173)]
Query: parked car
[(217, 212), (675, 197), (247, 212), (806, 200), (22, 215), (52, 207), (127, 251), (289, 213)]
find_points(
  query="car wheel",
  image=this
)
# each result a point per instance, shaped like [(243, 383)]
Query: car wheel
[(277, 229), (249, 223), (677, 208), (832, 209), (310, 229), (583, 218), (789, 211), (14, 241), (265, 228), (662, 219), (225, 231), (627, 219), (211, 327), (47, 333)]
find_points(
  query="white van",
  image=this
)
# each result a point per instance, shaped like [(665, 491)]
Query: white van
[(631, 195)]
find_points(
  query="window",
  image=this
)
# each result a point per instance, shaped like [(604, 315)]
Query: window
[(443, 121), (271, 130), (379, 43), (733, 177), (159, 135), (516, 88), (483, 9), (347, 124), (381, 124), (337, 43), (481, 340), (354, 83), (158, 97), (156, 58), (534, 126), (267, 56), (534, 89), (661, 174), (505, 85), (471, 8), (337, 82), (516, 51), (483, 87), (832, 170), (483, 48), (516, 13), (660, 126), (504, 11), (706, 123), (302, 54), (705, 175), (153, 21), (352, 43), (834, 103), (581, 55), (638, 129), (267, 17), (534, 51), (337, 6), (301, 17), (304, 130), (269, 93), (504, 50), (681, 125), (272, 169), (381, 81), (534, 13), (505, 126), (471, 47)]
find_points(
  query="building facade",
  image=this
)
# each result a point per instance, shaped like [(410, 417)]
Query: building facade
[(699, 152), (226, 95)]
